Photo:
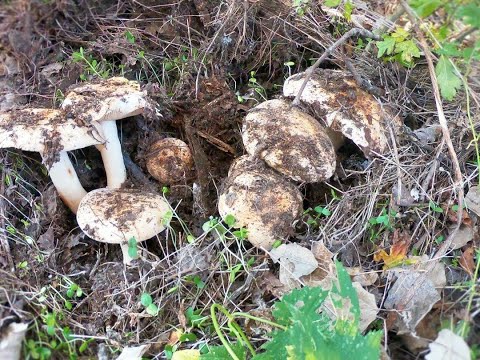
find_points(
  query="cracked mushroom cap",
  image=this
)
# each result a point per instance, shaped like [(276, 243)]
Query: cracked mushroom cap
[(261, 200), (43, 130), (290, 141), (169, 161), (343, 106), (111, 99)]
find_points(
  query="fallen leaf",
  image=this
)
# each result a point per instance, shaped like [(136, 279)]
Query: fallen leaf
[(463, 236), (398, 251), (133, 353), (448, 346), (186, 355), (295, 261), (422, 295), (428, 134), (472, 199), (362, 277), (466, 261), (452, 216), (11, 341), (368, 306)]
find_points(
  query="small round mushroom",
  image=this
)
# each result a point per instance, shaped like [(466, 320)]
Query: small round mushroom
[(100, 105), (290, 141), (344, 107), (115, 216), (50, 133), (169, 160), (261, 200)]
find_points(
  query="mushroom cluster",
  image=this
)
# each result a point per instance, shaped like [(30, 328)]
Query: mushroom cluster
[(87, 117), (285, 144)]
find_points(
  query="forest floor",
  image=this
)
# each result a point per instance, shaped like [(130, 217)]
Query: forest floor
[(206, 64)]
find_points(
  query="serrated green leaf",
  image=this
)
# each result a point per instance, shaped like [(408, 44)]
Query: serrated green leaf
[(407, 50), (448, 81), (424, 8), (386, 46)]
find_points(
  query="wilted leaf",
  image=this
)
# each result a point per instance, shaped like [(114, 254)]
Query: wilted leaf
[(295, 262), (467, 262), (362, 277), (368, 306), (398, 251), (133, 353), (472, 200), (463, 236), (448, 81), (448, 346)]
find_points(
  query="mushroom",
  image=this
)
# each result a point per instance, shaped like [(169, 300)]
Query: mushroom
[(344, 107), (100, 105), (169, 160), (289, 140), (261, 200), (115, 216), (51, 134)]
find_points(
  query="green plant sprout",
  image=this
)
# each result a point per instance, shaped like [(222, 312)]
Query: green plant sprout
[(92, 66), (147, 301)]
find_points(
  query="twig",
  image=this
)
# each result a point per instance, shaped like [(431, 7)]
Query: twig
[(350, 33), (4, 245)]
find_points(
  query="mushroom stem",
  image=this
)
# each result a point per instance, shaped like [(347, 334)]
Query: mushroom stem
[(127, 259), (66, 181), (112, 156)]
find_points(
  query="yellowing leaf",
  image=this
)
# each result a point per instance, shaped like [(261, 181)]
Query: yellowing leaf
[(448, 81), (398, 251), (186, 355)]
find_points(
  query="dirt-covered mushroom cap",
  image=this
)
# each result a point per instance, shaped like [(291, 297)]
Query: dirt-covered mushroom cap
[(52, 134), (99, 105), (289, 140), (342, 105), (115, 216), (261, 200), (169, 161)]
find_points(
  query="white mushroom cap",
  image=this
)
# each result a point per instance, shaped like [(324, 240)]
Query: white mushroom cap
[(50, 133), (115, 216), (169, 160), (99, 105), (290, 141), (342, 105), (261, 200)]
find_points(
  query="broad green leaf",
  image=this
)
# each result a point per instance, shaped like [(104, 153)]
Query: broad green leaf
[(424, 8), (470, 14), (386, 46), (400, 34), (448, 81), (146, 299), (221, 353), (332, 3)]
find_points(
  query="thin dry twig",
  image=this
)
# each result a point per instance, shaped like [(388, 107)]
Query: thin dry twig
[(350, 33)]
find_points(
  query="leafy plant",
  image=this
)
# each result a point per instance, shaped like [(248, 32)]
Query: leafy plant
[(92, 66), (398, 46), (303, 330)]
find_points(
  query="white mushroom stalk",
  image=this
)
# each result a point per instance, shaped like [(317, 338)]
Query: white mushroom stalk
[(100, 105), (51, 134), (115, 216)]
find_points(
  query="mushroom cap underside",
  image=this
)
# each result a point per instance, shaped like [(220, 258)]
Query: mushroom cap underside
[(115, 216)]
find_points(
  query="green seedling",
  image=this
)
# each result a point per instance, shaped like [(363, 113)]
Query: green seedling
[(133, 248), (147, 301)]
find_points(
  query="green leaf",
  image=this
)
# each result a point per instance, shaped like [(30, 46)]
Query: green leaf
[(469, 14), (146, 299), (332, 3), (152, 309), (221, 353), (386, 46), (448, 81), (407, 50), (424, 8), (129, 36), (348, 9), (132, 248), (230, 220)]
